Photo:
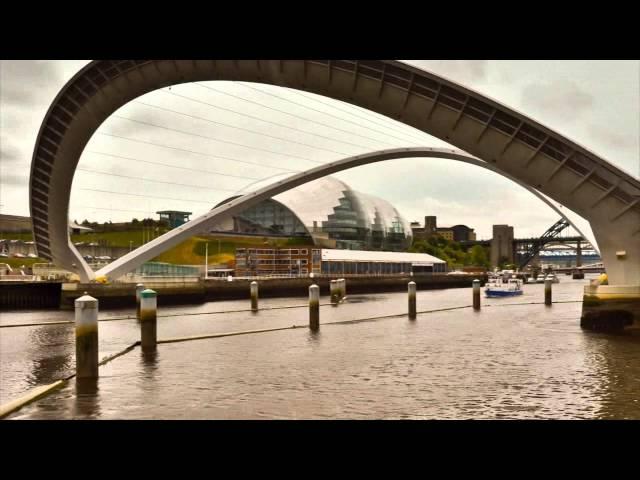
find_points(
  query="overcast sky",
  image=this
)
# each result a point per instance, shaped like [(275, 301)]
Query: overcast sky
[(211, 130)]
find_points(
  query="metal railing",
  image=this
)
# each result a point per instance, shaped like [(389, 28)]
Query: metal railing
[(18, 278), (331, 275)]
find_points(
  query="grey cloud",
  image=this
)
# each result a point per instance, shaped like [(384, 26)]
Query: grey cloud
[(14, 178), (613, 138), (464, 71), (9, 154), (562, 98), (141, 123), (27, 82)]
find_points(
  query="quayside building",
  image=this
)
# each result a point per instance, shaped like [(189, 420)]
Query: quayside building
[(301, 261)]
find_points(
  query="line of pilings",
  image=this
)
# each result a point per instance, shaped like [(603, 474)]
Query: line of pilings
[(86, 318), (86, 329)]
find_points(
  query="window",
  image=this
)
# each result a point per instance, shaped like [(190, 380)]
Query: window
[(303, 251)]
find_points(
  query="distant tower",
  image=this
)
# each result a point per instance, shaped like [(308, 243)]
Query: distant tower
[(502, 244), (430, 226)]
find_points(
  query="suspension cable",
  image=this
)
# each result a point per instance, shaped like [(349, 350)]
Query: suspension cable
[(297, 116), (194, 152), (239, 128), (141, 122), (325, 113), (171, 166), (392, 123), (144, 196), (270, 121), (207, 187)]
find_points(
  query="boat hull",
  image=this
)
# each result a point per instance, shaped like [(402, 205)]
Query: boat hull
[(499, 294)]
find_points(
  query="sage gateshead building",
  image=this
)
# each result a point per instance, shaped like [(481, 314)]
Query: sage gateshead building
[(328, 213)]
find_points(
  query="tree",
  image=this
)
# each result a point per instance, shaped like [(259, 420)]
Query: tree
[(477, 256), (503, 263), (441, 248)]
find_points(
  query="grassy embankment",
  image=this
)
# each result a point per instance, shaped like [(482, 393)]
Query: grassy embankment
[(190, 252), (221, 249), (19, 262)]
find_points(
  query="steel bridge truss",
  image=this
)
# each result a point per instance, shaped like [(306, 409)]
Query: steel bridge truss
[(547, 237)]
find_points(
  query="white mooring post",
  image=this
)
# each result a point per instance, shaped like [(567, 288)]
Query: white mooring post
[(254, 296), (148, 315), (476, 294), (547, 291), (412, 300), (139, 289), (86, 323), (314, 307)]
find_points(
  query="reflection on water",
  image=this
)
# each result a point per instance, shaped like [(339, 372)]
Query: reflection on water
[(86, 403), (58, 361), (616, 357), (149, 361), (523, 361)]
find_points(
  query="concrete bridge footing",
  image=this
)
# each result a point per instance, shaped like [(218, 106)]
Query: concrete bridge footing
[(611, 308)]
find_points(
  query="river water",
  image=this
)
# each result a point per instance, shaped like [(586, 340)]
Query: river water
[(506, 361)]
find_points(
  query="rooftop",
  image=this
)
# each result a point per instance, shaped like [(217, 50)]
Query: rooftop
[(374, 256)]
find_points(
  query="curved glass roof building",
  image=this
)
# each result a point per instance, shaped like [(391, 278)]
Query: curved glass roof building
[(332, 214)]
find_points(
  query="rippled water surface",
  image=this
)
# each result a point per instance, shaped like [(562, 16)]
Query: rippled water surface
[(507, 361)]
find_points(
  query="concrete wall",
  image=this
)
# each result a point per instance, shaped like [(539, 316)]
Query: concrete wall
[(123, 294), (14, 224), (21, 295)]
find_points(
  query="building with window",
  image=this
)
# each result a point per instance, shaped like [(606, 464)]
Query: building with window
[(77, 229), (327, 213), (295, 261), (462, 233), (174, 218), (273, 262), (458, 233)]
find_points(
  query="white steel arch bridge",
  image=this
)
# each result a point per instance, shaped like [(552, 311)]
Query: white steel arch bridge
[(515, 145)]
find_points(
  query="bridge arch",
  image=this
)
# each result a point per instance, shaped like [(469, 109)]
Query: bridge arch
[(516, 145), (239, 204)]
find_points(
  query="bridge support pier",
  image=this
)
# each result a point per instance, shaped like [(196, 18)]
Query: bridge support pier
[(578, 254), (611, 308)]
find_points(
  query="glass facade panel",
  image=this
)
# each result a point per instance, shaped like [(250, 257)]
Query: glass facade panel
[(328, 208)]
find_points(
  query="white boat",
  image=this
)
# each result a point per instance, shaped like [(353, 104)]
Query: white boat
[(553, 278), (499, 288)]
